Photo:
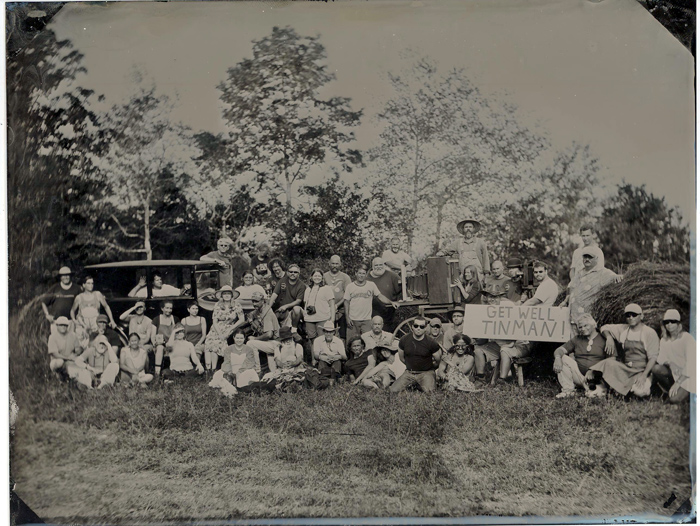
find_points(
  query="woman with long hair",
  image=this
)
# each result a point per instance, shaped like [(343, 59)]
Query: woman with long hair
[(469, 285)]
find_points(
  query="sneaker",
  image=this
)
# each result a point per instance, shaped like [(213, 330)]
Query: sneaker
[(168, 382), (566, 394)]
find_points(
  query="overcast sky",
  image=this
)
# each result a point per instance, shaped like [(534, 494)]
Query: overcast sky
[(604, 73)]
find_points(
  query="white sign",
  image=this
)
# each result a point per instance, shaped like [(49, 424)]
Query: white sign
[(511, 322)]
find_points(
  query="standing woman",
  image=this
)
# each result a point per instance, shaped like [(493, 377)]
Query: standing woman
[(195, 327), (319, 305), (675, 365), (226, 317), (469, 285), (86, 309), (245, 291)]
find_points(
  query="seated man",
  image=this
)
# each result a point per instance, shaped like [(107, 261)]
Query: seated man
[(457, 317), (288, 297), (588, 348), (421, 355), (99, 362), (493, 351), (497, 279), (64, 349), (329, 352), (377, 337), (159, 290), (112, 336), (265, 329), (395, 258)]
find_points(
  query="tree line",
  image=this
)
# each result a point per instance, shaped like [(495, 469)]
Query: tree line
[(90, 183)]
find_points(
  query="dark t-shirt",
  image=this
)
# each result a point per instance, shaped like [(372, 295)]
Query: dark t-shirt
[(585, 358), (60, 301), (418, 354), (515, 291), (287, 293)]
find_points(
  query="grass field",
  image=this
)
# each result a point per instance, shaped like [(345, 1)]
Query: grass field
[(184, 452)]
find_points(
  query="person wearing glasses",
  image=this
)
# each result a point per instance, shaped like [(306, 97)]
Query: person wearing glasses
[(640, 346), (288, 297), (547, 289), (421, 355), (231, 266), (675, 365)]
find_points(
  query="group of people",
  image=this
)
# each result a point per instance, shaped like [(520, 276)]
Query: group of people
[(274, 330)]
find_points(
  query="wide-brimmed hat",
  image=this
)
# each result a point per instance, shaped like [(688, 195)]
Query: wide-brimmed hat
[(286, 333), (328, 326), (227, 288), (65, 271), (672, 315), (460, 225), (458, 308)]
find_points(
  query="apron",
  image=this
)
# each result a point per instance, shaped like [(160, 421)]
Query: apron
[(621, 376)]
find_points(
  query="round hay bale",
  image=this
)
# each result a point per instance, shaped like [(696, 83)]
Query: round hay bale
[(656, 287)]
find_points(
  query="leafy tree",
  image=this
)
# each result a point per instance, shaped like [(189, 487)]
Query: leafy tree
[(443, 143), (278, 125), (147, 159), (334, 225), (551, 204), (52, 133), (636, 225)]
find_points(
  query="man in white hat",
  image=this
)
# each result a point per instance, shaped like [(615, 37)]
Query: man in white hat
[(329, 352), (231, 266), (99, 362), (472, 250), (64, 348), (59, 299), (640, 346)]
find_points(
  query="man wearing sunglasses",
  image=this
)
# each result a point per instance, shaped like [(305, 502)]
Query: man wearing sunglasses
[(421, 355), (640, 345), (547, 289)]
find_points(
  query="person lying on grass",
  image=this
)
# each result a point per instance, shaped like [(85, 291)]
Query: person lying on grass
[(588, 349), (133, 362), (387, 370), (456, 365), (329, 353), (182, 356), (64, 348), (98, 362), (361, 360), (241, 365)]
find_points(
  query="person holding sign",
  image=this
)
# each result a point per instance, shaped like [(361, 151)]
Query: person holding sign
[(641, 347), (547, 289), (419, 353), (588, 348)]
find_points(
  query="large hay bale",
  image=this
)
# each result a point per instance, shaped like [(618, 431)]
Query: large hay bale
[(656, 287)]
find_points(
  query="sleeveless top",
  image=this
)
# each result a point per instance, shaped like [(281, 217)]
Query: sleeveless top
[(193, 333)]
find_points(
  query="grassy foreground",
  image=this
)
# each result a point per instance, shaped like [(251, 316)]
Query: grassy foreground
[(184, 452)]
